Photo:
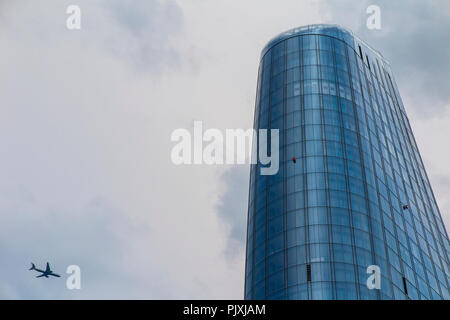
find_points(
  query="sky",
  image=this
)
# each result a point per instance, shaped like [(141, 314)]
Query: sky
[(85, 123)]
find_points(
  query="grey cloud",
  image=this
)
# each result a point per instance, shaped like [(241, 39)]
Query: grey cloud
[(414, 38), (141, 33), (148, 27), (441, 188), (96, 239), (232, 208), (81, 126)]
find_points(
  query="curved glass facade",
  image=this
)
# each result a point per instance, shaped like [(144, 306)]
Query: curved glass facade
[(357, 193)]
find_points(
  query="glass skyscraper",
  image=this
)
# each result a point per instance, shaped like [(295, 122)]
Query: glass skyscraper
[(351, 190)]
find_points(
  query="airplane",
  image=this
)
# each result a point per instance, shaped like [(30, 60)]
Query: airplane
[(45, 273)]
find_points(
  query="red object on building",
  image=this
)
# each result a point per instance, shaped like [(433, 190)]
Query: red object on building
[(405, 207), (293, 160)]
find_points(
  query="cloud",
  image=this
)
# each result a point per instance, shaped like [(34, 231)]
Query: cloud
[(413, 38), (141, 32), (95, 238), (429, 134), (232, 208), (87, 135), (147, 27)]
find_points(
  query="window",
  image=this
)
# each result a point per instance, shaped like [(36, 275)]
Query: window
[(308, 272), (404, 286), (360, 52)]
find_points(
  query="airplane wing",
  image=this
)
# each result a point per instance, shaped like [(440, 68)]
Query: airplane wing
[(40, 275), (55, 275), (47, 269)]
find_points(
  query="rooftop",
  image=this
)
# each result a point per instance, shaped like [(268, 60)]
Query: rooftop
[(332, 30)]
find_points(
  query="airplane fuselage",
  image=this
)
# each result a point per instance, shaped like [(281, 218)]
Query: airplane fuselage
[(44, 273)]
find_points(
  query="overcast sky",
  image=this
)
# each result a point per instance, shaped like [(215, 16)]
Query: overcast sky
[(85, 123)]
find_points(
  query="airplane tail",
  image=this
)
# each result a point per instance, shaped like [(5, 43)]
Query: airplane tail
[(32, 266)]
